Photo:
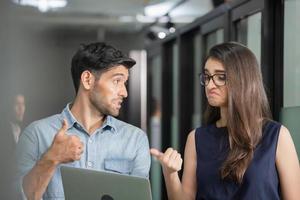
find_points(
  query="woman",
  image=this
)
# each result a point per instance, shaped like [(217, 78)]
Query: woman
[(240, 153)]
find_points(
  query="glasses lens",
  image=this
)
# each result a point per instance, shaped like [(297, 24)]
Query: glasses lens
[(203, 79), (219, 79)]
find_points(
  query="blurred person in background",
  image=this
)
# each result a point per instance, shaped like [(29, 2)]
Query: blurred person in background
[(86, 133), (155, 142), (240, 153), (17, 116), (155, 124), (13, 109), (7, 165)]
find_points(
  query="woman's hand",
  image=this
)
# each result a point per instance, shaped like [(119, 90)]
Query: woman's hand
[(171, 160)]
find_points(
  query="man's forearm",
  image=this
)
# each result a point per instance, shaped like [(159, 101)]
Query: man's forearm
[(37, 180)]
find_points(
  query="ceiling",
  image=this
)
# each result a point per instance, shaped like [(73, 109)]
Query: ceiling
[(117, 15)]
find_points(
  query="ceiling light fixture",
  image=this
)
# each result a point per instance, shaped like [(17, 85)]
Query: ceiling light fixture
[(145, 19), (43, 5), (159, 9), (161, 35)]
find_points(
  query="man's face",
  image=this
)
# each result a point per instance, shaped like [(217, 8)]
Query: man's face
[(19, 107), (109, 90)]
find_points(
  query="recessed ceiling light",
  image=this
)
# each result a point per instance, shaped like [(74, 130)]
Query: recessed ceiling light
[(161, 35)]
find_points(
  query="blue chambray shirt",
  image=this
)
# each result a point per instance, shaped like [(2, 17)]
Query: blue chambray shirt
[(116, 146)]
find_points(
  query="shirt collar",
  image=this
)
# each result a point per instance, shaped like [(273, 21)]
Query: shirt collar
[(109, 123), (66, 113)]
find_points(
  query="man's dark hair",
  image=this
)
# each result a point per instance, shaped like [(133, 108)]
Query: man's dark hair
[(97, 57)]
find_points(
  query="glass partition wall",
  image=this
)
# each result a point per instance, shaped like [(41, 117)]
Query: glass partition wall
[(154, 122), (291, 49), (182, 99), (290, 110), (248, 32)]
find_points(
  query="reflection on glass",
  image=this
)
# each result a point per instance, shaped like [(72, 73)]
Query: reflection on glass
[(214, 38), (155, 112), (197, 88), (291, 53), (248, 32), (175, 98), (155, 124)]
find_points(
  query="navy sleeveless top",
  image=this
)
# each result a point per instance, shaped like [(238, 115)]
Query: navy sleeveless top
[(260, 180)]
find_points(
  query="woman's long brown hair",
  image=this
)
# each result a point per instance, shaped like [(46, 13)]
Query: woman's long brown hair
[(248, 107)]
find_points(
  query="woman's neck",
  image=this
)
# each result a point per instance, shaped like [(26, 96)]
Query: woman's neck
[(222, 122)]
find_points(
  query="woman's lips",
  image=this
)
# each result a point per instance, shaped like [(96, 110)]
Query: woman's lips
[(212, 93)]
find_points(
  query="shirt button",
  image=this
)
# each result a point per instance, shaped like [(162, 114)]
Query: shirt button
[(90, 141), (89, 164)]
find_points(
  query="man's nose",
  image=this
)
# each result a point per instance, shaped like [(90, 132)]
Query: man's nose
[(123, 92)]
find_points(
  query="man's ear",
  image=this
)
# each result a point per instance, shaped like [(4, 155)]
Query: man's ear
[(87, 80)]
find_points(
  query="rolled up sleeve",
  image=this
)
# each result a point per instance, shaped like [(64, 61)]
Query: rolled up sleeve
[(26, 154)]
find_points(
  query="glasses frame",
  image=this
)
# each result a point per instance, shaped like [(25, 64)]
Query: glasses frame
[(211, 77)]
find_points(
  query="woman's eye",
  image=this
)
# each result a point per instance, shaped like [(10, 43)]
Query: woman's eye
[(222, 77)]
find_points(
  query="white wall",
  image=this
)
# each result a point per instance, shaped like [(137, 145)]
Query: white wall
[(36, 60)]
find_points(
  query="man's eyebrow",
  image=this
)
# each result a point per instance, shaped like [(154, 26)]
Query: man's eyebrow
[(118, 74)]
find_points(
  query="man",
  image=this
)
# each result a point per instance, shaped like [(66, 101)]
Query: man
[(17, 115), (12, 109), (7, 167), (85, 134)]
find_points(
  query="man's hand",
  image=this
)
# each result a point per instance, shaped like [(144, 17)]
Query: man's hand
[(171, 160), (65, 148)]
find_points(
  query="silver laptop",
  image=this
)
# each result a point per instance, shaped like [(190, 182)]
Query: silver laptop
[(85, 184)]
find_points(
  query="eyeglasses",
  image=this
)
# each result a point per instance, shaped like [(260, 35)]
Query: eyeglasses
[(218, 79)]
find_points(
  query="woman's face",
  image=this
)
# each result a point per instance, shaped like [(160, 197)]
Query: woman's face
[(215, 89)]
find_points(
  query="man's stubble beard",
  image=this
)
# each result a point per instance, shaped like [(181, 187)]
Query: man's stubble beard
[(96, 101)]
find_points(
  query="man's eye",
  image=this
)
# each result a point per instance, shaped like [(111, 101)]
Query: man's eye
[(117, 81)]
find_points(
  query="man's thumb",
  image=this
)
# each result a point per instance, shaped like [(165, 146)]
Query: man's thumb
[(64, 128)]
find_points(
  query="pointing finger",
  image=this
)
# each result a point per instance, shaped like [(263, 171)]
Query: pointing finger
[(156, 153)]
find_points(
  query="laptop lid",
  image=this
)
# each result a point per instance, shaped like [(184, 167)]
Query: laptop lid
[(89, 184)]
